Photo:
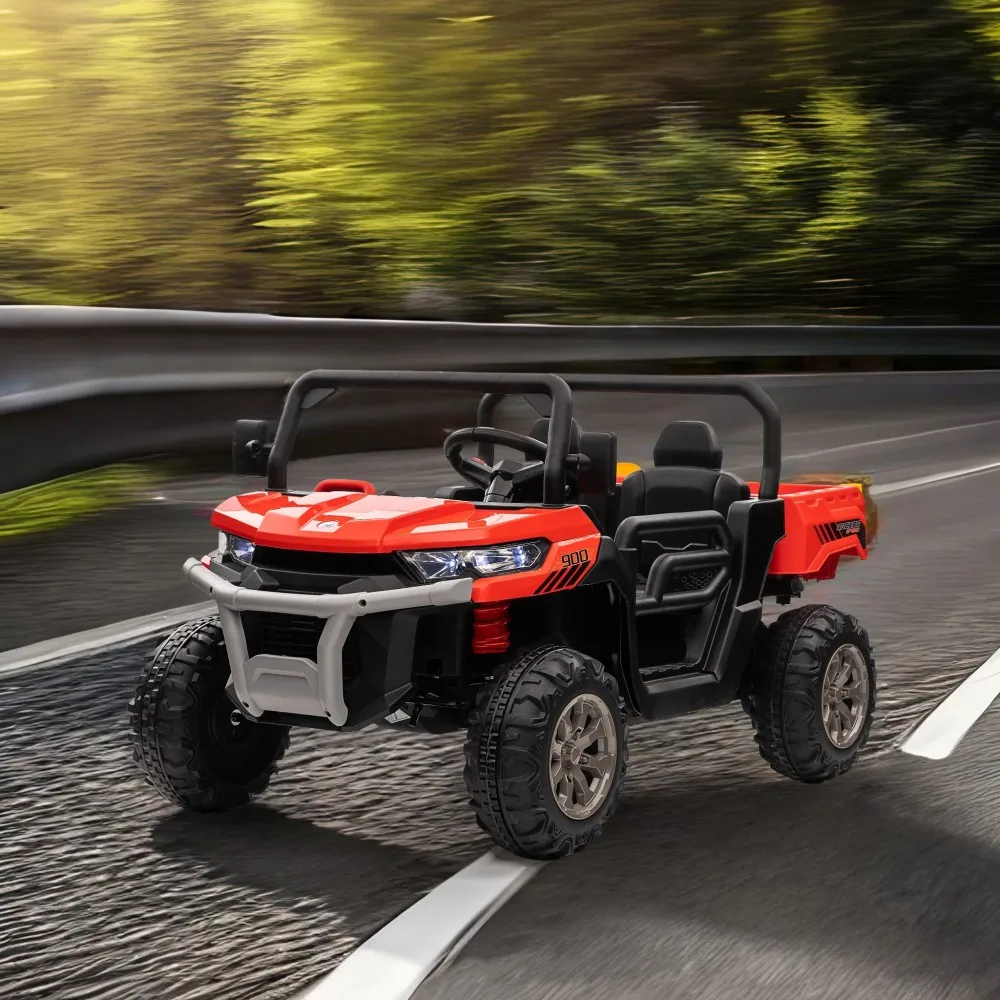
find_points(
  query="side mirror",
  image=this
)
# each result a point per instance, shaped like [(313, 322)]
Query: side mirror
[(251, 447)]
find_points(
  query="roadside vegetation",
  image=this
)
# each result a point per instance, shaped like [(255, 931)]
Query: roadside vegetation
[(633, 160), (54, 504)]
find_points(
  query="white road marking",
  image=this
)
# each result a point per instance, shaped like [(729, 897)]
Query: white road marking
[(938, 477), (69, 647), (428, 936), (848, 375), (938, 735), (892, 440)]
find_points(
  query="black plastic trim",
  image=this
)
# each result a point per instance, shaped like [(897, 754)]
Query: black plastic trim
[(633, 528), (663, 569)]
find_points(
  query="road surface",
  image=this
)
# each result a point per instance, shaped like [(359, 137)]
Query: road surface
[(717, 879)]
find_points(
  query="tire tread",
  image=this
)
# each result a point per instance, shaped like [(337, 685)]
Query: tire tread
[(782, 690), (509, 723), (165, 745)]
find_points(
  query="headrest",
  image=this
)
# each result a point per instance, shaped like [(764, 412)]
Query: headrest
[(688, 442), (540, 432)]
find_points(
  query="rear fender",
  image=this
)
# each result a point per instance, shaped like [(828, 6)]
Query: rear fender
[(823, 523)]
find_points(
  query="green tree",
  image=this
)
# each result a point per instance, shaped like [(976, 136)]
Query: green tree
[(556, 158)]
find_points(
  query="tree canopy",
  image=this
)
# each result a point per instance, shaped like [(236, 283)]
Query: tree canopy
[(556, 159)]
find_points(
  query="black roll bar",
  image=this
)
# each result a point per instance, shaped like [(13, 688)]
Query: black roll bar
[(706, 385), (322, 383)]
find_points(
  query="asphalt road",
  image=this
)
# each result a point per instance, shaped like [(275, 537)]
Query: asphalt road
[(717, 879)]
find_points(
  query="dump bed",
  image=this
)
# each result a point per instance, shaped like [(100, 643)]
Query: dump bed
[(823, 524)]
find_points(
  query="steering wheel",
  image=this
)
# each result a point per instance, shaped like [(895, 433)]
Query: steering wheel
[(482, 475)]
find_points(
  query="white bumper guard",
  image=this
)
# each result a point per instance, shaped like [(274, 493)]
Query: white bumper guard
[(294, 684)]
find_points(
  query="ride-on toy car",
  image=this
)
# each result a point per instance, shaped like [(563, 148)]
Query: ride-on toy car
[(541, 606)]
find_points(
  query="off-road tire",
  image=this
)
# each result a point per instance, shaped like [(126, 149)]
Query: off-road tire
[(782, 692), (507, 752), (176, 713)]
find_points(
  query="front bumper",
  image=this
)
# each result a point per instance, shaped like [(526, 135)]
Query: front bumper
[(296, 685)]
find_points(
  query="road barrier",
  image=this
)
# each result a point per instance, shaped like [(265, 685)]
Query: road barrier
[(81, 387)]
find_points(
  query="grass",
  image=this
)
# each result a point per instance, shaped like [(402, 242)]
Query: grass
[(54, 504)]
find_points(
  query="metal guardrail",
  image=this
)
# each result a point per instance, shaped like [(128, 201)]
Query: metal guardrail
[(80, 387), (52, 432)]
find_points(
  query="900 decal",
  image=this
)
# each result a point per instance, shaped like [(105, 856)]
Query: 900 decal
[(574, 567)]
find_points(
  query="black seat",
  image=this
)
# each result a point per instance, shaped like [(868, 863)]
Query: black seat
[(596, 482), (687, 476), (540, 432)]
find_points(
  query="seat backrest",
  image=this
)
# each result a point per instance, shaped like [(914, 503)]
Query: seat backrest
[(597, 479), (687, 475), (540, 432), (597, 486)]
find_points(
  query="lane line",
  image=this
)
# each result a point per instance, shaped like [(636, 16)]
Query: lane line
[(846, 375), (69, 647), (893, 440), (428, 936), (937, 477), (940, 732)]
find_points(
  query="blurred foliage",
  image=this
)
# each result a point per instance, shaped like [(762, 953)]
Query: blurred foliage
[(471, 158), (51, 505)]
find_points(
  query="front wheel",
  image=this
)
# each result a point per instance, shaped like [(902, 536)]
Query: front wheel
[(188, 740), (810, 693), (546, 753)]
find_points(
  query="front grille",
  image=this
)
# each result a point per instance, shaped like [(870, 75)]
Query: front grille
[(298, 572), (350, 564), (289, 635), (278, 634)]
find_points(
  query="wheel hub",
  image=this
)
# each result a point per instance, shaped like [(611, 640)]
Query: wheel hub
[(225, 726), (846, 689), (584, 756)]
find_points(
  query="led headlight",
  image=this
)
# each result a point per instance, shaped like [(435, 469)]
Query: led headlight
[(240, 549), (494, 560)]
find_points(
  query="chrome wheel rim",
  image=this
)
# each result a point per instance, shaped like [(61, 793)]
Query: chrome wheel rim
[(583, 756), (845, 696)]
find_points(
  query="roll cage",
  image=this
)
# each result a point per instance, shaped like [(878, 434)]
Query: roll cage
[(550, 395)]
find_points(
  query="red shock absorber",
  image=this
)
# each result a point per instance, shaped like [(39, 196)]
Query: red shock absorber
[(491, 628)]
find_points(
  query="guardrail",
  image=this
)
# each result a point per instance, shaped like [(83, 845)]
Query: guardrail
[(80, 387)]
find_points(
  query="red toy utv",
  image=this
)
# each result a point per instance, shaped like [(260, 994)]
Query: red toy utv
[(540, 606)]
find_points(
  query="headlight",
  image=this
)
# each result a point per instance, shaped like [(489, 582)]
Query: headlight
[(450, 564), (240, 549)]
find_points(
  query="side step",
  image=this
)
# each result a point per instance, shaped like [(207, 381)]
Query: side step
[(660, 671)]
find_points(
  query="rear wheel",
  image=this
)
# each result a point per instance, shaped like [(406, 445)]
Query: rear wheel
[(810, 693), (546, 753), (188, 739)]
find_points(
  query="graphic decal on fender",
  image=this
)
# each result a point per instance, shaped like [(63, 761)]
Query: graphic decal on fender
[(575, 565), (834, 531)]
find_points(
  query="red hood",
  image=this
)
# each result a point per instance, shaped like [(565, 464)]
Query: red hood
[(355, 522)]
